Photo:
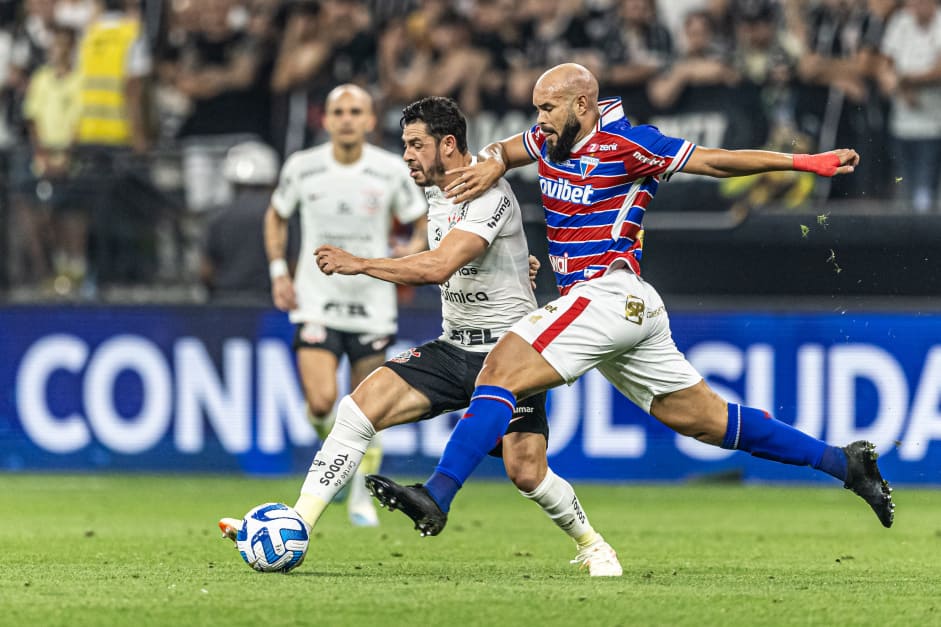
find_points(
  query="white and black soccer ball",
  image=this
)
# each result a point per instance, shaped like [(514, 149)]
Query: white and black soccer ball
[(273, 538)]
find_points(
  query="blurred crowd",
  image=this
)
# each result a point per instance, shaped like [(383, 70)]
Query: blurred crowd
[(116, 116)]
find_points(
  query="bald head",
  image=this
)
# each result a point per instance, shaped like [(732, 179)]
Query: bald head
[(348, 116), (349, 89), (566, 98), (568, 80)]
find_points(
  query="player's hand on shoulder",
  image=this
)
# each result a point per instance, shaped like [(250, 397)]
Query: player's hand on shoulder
[(473, 180), (333, 260), (282, 293)]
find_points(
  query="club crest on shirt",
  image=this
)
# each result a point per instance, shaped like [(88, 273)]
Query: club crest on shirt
[(587, 164)]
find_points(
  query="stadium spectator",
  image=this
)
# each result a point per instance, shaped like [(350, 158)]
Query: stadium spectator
[(766, 57), (636, 49), (111, 139), (449, 65), (494, 35), (700, 64), (911, 75), (324, 44), (220, 71), (51, 110), (346, 192), (833, 100), (75, 14), (235, 267), (550, 32)]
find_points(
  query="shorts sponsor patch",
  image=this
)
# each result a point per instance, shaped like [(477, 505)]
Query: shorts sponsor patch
[(634, 309), (404, 356), (313, 333), (376, 342)]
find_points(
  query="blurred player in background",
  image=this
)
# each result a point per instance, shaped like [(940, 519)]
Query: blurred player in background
[(597, 174), (479, 258), (347, 192)]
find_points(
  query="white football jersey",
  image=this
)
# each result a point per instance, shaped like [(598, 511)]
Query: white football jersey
[(349, 206), (485, 297)]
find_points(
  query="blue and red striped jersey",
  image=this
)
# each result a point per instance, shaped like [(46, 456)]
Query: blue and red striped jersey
[(595, 201)]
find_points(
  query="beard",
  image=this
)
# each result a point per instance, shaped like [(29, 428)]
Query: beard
[(432, 175), (560, 150)]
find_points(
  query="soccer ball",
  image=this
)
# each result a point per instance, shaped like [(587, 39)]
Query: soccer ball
[(273, 538)]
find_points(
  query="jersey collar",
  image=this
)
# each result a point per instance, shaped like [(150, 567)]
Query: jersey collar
[(610, 110)]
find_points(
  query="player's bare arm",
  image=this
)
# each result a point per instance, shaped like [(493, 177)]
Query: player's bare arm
[(721, 163), (430, 267), (276, 237), (492, 163)]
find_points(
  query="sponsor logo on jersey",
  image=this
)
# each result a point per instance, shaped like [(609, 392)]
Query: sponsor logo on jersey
[(404, 356), (560, 265), (370, 172), (522, 409), (602, 147), (473, 337), (457, 216), (347, 309), (462, 297), (498, 213), (561, 189), (654, 161), (586, 165), (466, 271)]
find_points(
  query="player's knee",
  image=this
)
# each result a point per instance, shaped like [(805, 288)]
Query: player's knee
[(525, 471), (525, 477), (321, 405)]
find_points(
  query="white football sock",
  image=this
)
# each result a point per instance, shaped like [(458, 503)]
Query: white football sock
[(557, 499), (336, 461)]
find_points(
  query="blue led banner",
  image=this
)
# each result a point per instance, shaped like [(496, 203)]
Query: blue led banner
[(215, 389)]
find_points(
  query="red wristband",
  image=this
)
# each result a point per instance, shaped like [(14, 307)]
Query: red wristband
[(823, 163)]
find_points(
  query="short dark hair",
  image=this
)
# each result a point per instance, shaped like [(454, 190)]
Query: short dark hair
[(441, 116)]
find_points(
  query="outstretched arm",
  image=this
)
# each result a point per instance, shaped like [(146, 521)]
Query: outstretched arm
[(430, 267), (725, 163), (492, 163)]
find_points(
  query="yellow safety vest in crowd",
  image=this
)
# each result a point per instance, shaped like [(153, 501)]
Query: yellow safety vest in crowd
[(102, 66)]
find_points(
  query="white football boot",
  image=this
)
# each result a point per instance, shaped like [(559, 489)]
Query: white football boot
[(229, 527), (600, 560)]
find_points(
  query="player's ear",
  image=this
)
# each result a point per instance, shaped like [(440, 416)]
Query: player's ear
[(581, 104), (450, 144)]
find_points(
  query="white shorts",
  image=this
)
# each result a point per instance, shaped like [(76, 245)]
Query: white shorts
[(618, 324)]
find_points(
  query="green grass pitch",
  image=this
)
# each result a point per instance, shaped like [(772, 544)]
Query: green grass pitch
[(142, 550)]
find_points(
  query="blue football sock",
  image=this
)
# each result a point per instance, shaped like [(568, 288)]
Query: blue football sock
[(758, 433), (484, 422)]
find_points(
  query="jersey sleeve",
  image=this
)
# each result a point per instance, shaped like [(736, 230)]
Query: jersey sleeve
[(409, 202), (654, 154), (533, 139), (487, 215), (285, 197)]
